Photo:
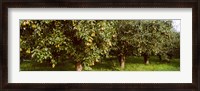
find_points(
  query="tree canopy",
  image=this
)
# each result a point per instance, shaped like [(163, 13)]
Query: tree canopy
[(86, 42)]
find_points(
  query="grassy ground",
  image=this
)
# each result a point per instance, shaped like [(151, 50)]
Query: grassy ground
[(137, 64), (132, 64), (35, 66)]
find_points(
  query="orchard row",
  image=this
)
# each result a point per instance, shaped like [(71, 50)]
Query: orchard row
[(86, 42)]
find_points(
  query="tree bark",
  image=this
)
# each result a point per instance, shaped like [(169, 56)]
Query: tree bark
[(146, 59), (160, 57), (79, 66), (122, 61), (170, 56)]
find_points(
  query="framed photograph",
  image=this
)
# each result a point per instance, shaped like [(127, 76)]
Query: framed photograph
[(100, 45)]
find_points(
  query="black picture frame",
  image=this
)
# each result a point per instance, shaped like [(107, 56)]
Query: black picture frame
[(194, 4)]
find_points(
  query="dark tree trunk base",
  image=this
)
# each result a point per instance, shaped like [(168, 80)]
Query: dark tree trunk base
[(147, 62), (79, 66), (122, 61), (146, 59), (160, 57)]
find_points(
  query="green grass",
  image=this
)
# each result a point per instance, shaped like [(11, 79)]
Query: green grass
[(133, 63), (35, 66), (137, 64)]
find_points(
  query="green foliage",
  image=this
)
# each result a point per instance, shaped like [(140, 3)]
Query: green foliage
[(124, 38), (46, 40), (83, 41), (89, 41), (94, 40), (145, 38), (154, 33)]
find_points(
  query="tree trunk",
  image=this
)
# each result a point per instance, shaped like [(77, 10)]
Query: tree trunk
[(79, 66), (122, 61), (160, 57), (170, 56), (146, 59)]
